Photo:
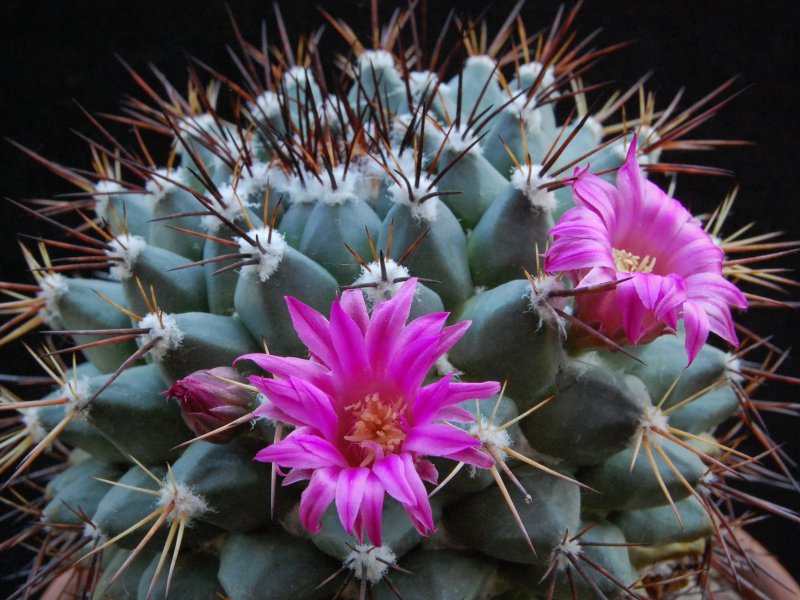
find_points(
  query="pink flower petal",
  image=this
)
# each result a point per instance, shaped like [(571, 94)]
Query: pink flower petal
[(438, 440), (697, 328), (313, 330), (372, 508), (349, 494), (353, 304), (391, 473), (316, 498), (348, 340), (286, 366), (473, 456), (302, 451)]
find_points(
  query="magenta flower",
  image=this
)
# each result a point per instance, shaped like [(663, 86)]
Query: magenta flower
[(208, 402), (636, 232), (364, 421)]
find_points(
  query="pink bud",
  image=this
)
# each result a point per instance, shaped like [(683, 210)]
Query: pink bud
[(208, 403)]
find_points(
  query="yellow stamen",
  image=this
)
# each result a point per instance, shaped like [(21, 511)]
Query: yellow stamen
[(378, 423), (627, 262)]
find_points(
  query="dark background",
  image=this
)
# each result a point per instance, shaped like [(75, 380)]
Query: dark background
[(54, 54)]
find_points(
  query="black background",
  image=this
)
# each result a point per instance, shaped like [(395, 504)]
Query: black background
[(54, 54)]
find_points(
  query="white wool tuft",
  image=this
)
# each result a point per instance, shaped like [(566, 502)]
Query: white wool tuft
[(651, 420), (186, 504), (78, 392), (733, 368), (531, 71), (458, 141), (491, 436), (562, 552), (266, 105), (375, 59), (528, 181), (324, 191), (299, 75), (104, 190), (370, 562), (234, 203), (165, 328), (270, 258), (127, 248), (196, 126), (159, 186), (444, 367), (383, 290), (33, 425), (52, 287), (483, 60), (426, 211), (422, 81), (544, 305)]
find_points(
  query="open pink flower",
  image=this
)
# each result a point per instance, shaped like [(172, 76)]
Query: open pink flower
[(364, 421), (637, 233)]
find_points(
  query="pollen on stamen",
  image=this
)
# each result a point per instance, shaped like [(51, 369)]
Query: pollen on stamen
[(627, 262), (377, 423)]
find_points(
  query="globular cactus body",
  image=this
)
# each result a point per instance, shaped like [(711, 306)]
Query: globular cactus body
[(315, 244)]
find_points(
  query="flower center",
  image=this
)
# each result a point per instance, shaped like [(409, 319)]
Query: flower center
[(628, 262), (378, 426)]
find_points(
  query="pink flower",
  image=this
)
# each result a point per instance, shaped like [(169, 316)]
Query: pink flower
[(364, 421), (636, 232), (208, 403)]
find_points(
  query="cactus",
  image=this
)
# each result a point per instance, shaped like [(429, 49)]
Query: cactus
[(430, 333)]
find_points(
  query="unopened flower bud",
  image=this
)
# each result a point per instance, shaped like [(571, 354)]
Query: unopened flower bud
[(208, 402)]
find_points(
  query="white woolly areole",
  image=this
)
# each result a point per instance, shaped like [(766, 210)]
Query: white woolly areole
[(197, 125), (186, 505), (77, 392), (103, 191), (266, 105), (531, 71), (595, 127), (526, 109), (733, 368), (458, 141), (544, 305), (422, 81), (375, 59), (370, 562), (52, 287), (254, 180), (34, 427), (444, 367), (651, 420), (165, 328), (482, 60), (299, 75), (234, 203), (381, 290), (270, 257), (324, 191), (562, 552), (528, 181), (491, 436), (645, 135), (126, 248), (93, 533), (426, 211), (159, 187)]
